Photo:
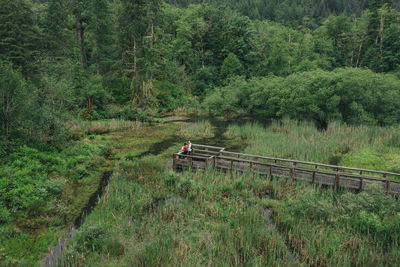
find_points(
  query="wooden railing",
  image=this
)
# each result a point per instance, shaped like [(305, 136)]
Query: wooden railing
[(338, 176)]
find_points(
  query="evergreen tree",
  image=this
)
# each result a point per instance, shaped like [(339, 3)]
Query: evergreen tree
[(58, 36), (19, 34), (138, 21)]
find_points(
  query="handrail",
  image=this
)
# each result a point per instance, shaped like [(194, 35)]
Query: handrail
[(347, 174), (313, 163), (211, 147), (191, 156), (328, 174), (208, 151)]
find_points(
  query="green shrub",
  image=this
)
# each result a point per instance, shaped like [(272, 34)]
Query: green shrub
[(90, 238), (349, 95), (5, 215), (80, 173)]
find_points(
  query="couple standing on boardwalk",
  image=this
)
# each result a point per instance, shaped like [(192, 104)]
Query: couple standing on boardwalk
[(187, 149)]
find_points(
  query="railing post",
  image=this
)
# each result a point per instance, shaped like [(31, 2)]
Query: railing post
[(361, 183), (293, 170), (190, 163), (270, 171), (214, 160), (337, 178), (387, 184), (313, 174), (206, 164)]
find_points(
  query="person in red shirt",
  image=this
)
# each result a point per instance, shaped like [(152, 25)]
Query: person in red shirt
[(185, 149)]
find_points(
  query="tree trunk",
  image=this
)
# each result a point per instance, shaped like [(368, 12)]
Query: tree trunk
[(359, 53), (135, 78)]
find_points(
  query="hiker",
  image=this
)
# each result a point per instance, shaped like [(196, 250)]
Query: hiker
[(185, 149), (190, 148)]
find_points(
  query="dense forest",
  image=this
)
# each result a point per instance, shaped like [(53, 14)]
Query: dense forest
[(65, 60), (67, 63)]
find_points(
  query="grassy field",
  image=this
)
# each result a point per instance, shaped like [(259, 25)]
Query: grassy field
[(153, 217), (44, 189)]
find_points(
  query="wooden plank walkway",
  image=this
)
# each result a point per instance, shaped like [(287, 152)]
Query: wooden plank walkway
[(204, 156)]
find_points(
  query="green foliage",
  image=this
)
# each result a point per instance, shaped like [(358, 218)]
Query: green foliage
[(351, 95), (14, 92), (231, 66), (90, 239), (230, 100), (31, 178), (19, 34), (171, 97), (101, 59), (213, 213), (370, 212)]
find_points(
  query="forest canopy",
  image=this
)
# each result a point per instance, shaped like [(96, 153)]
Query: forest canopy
[(68, 60)]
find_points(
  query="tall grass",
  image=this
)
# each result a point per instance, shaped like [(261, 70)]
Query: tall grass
[(303, 141), (198, 129), (328, 229), (101, 127), (149, 217)]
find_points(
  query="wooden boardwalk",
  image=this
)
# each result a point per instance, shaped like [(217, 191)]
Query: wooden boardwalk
[(337, 176)]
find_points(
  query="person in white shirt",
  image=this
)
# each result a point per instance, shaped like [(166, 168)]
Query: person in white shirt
[(190, 148)]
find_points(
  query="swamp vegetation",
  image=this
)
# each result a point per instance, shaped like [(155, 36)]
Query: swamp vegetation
[(152, 216), (94, 87)]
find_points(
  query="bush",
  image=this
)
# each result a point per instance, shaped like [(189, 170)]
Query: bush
[(169, 96), (80, 173), (351, 95), (5, 215), (90, 238)]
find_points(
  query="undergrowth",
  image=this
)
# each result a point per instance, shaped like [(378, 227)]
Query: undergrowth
[(40, 192), (153, 217)]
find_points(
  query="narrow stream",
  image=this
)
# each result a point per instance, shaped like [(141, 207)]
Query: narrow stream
[(218, 139), (55, 253), (270, 225)]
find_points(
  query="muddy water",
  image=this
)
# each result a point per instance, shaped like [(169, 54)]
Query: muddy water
[(267, 215)]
